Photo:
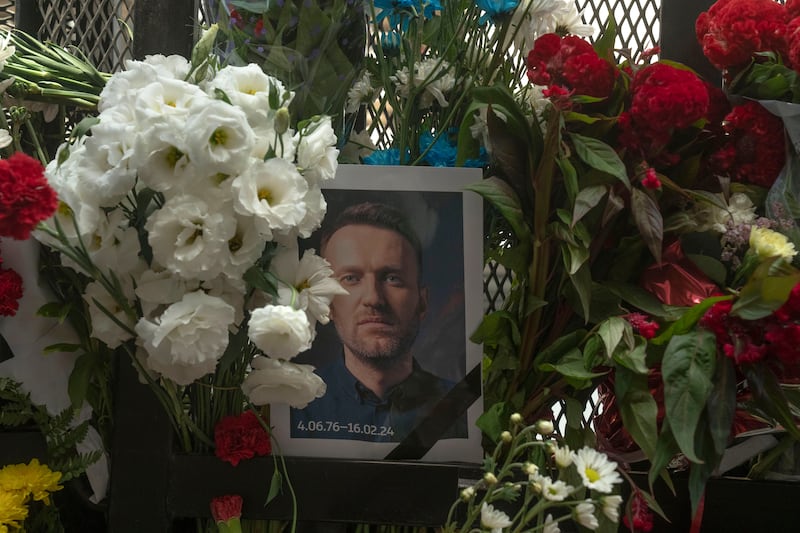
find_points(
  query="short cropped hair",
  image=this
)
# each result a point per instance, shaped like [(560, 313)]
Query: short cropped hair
[(377, 215)]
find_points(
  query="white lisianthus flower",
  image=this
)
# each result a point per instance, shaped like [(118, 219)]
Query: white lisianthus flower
[(124, 86), (584, 515), (244, 248), (595, 469), (280, 331), (5, 138), (6, 49), (310, 280), (188, 236), (550, 526), (315, 211), (168, 100), (360, 93), (172, 66), (269, 141), (249, 88), (187, 340), (611, 506), (114, 245), (435, 75), (494, 519), (273, 381), (767, 243), (162, 160), (555, 491), (104, 326), (316, 150), (219, 138), (563, 456), (272, 193), (156, 289)]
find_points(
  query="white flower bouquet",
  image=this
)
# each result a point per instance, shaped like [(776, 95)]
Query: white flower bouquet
[(180, 207)]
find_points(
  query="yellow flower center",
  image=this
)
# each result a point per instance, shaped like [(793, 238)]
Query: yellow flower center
[(591, 474), (64, 210), (173, 156), (219, 137), (265, 194), (303, 286), (235, 244)]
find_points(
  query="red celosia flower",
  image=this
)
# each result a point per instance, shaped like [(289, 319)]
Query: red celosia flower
[(641, 514), (790, 310), (664, 98), (240, 437), (570, 62), (639, 322), (25, 196), (793, 41), (225, 508), (731, 31), (10, 291), (792, 8), (753, 151), (650, 180)]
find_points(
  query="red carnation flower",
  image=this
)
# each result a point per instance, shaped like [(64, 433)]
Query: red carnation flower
[(753, 151), (226, 508), (731, 31), (240, 437), (10, 291), (793, 41), (25, 196), (664, 99), (570, 62)]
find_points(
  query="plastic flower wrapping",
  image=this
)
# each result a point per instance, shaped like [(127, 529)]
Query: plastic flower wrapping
[(180, 206)]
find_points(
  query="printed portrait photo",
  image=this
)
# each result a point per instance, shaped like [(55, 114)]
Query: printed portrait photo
[(395, 355)]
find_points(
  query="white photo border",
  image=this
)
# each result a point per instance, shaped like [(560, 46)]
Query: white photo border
[(412, 179)]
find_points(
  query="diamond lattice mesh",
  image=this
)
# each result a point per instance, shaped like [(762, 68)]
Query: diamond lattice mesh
[(7, 10), (638, 23)]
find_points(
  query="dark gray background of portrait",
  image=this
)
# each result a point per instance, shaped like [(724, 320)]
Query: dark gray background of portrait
[(437, 217)]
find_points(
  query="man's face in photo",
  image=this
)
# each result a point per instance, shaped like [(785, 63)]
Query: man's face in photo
[(379, 319)]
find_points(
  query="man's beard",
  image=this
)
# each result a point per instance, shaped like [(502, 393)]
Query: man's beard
[(389, 353)]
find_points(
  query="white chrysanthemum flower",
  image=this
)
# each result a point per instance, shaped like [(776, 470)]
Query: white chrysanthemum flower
[(611, 506), (563, 456), (106, 315), (494, 519), (316, 150), (188, 237), (360, 93), (187, 340), (530, 20), (584, 515), (280, 331), (310, 280), (595, 469), (219, 138), (768, 243), (708, 217), (555, 491), (6, 49), (568, 20), (273, 381), (272, 193), (434, 75), (550, 526)]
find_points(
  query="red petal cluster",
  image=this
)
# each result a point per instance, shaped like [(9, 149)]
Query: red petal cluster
[(224, 508), (641, 514), (774, 339), (638, 321), (25, 196), (570, 62), (731, 31), (664, 98), (753, 150), (240, 437), (10, 291)]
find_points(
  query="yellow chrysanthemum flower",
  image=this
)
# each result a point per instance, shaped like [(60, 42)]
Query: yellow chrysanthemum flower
[(13, 510), (32, 480), (768, 243)]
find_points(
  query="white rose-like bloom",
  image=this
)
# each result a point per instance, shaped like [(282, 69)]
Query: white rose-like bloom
[(595, 469), (104, 327), (273, 381), (218, 137), (584, 515), (272, 193), (280, 331), (494, 519), (550, 526), (189, 238), (435, 75), (767, 243), (249, 88), (316, 207), (316, 150), (161, 288), (167, 99), (187, 340), (611, 506), (113, 246), (123, 86), (311, 279), (244, 248)]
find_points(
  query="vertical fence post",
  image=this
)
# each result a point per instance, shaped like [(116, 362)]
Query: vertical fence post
[(161, 27), (678, 40)]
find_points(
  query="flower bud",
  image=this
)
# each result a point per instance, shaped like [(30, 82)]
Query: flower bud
[(490, 478), (530, 469), (516, 418), (281, 120), (506, 437), (544, 427), (467, 494)]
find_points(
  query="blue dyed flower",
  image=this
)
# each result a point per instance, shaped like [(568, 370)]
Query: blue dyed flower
[(390, 156), (440, 153), (400, 12), (492, 8)]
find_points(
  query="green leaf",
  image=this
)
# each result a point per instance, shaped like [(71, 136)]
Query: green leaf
[(503, 198), (497, 329), (648, 219), (494, 420), (61, 347), (604, 46), (570, 176), (600, 156), (699, 473), (634, 359), (687, 369), (639, 298), (81, 377), (722, 404), (638, 409), (275, 485), (769, 397), (56, 310), (666, 449), (572, 365), (687, 322), (587, 199), (582, 282), (711, 267), (611, 332), (262, 280), (761, 296)]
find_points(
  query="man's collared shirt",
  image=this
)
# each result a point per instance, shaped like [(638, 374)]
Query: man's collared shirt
[(349, 410)]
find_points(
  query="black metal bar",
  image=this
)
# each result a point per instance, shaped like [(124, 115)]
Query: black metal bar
[(678, 39), (161, 27)]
